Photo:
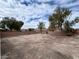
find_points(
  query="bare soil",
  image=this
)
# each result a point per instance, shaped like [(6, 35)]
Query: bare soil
[(40, 46), (15, 33)]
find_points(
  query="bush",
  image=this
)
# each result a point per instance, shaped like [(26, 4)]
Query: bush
[(11, 24), (70, 32), (30, 29)]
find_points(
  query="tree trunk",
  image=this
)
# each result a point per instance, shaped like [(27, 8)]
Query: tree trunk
[(41, 31)]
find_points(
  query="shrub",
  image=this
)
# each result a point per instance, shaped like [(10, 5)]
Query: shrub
[(30, 29)]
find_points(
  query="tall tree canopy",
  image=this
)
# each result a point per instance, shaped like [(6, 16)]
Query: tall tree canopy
[(11, 23), (57, 18)]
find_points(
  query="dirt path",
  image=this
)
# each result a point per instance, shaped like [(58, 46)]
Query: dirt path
[(42, 46)]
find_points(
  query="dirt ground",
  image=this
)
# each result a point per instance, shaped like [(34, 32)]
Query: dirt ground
[(40, 46), (15, 33)]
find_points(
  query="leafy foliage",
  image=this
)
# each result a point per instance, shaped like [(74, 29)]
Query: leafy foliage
[(11, 23), (58, 17), (68, 27), (31, 29), (77, 19), (41, 26), (2, 26)]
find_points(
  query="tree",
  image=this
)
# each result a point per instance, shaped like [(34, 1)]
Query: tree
[(12, 23), (68, 29), (31, 29), (41, 26), (17, 25), (57, 18), (52, 24), (68, 26), (2, 26), (77, 19)]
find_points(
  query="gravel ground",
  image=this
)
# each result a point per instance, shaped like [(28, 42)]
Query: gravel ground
[(40, 46)]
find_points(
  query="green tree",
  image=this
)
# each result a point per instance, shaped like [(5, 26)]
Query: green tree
[(52, 24), (12, 23), (77, 19), (68, 26), (31, 29), (41, 26), (2, 26), (17, 25), (57, 18)]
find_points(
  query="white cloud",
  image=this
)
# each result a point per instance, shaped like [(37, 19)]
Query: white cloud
[(76, 26), (14, 8)]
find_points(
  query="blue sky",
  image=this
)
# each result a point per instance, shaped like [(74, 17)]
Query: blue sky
[(31, 12)]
